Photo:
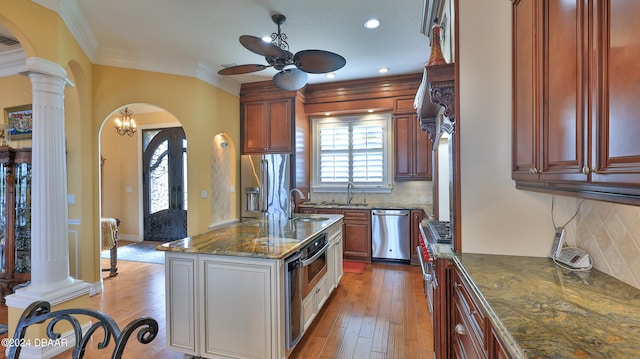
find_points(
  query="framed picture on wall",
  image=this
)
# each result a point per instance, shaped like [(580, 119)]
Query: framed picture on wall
[(18, 122)]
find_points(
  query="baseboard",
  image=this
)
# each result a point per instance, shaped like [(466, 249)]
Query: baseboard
[(95, 288), (129, 237)]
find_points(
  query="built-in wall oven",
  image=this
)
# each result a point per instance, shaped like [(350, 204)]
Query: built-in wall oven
[(314, 262)]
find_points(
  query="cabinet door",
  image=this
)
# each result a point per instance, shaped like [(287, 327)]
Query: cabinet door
[(279, 130), (181, 303), (412, 149), (237, 302), (563, 137), (339, 260), (616, 90), (423, 154), (357, 235), (255, 119), (267, 126), (526, 90), (403, 149)]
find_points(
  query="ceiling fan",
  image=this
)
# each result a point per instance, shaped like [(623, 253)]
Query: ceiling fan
[(280, 58)]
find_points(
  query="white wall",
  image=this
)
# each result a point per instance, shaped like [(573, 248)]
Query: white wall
[(496, 218)]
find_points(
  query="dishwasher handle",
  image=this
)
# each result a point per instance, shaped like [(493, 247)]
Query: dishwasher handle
[(390, 214)]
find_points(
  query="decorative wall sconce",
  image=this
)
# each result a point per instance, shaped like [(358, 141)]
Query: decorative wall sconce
[(126, 125)]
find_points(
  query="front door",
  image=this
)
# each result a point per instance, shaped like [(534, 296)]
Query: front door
[(164, 184)]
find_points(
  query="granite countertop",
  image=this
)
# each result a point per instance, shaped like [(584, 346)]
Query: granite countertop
[(543, 311), (360, 205), (266, 237)]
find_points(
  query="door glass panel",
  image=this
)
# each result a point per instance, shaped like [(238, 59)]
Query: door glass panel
[(147, 136), (184, 175), (3, 216), (23, 218), (159, 179)]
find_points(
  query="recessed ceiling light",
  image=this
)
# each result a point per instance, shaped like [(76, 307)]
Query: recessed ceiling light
[(266, 38), (330, 75), (383, 70), (372, 23)]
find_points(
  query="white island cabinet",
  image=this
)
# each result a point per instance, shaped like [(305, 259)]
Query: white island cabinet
[(233, 306)]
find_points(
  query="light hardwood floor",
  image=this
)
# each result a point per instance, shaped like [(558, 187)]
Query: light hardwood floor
[(381, 313)]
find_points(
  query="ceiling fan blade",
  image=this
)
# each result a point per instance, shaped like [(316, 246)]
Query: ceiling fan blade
[(318, 61), (290, 79), (255, 44), (241, 69)]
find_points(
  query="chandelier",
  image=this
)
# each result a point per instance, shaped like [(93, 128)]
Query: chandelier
[(126, 125)]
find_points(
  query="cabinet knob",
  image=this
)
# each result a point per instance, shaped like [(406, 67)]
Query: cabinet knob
[(585, 170), (460, 329), (534, 171)]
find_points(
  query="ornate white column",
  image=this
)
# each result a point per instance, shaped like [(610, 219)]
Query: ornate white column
[(50, 278)]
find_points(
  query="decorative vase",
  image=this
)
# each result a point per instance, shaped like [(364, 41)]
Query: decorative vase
[(436, 58)]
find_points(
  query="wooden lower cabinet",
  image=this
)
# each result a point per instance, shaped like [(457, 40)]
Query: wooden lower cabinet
[(441, 317), (357, 235), (460, 325), (469, 323), (499, 352), (356, 231)]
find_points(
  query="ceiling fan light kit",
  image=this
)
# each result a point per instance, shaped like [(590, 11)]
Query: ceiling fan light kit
[(279, 57)]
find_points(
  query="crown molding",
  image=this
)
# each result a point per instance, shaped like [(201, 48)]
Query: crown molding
[(11, 61), (209, 75), (74, 18), (76, 22), (145, 61)]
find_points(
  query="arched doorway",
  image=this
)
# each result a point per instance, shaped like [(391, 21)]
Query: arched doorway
[(122, 192)]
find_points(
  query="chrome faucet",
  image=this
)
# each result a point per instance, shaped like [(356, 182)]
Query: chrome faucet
[(350, 189), (292, 201)]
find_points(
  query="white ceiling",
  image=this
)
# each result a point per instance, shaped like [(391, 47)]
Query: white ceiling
[(198, 37)]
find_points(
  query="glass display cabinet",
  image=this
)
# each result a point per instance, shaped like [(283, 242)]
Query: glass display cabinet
[(15, 218)]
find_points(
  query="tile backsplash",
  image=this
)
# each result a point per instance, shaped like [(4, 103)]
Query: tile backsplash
[(610, 233)]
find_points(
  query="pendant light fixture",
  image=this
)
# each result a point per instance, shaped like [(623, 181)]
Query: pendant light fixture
[(126, 125)]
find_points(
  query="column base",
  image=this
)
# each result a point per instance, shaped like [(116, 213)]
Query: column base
[(70, 293)]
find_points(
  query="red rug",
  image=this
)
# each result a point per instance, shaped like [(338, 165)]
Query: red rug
[(353, 267)]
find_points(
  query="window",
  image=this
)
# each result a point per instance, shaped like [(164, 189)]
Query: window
[(352, 149)]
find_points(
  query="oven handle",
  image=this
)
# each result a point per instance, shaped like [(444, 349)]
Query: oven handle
[(306, 262), (426, 276)]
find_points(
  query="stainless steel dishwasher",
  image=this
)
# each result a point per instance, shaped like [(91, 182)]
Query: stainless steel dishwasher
[(390, 237)]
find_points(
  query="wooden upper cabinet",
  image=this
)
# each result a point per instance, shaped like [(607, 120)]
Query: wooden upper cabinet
[(563, 117), (267, 126), (412, 149), (548, 112), (616, 92), (526, 90), (575, 81)]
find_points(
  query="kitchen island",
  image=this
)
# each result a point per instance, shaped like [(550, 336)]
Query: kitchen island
[(226, 293)]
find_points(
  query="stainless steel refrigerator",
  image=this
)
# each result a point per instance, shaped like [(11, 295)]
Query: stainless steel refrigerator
[(265, 182)]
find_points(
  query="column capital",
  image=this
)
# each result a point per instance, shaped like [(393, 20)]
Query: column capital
[(37, 65)]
